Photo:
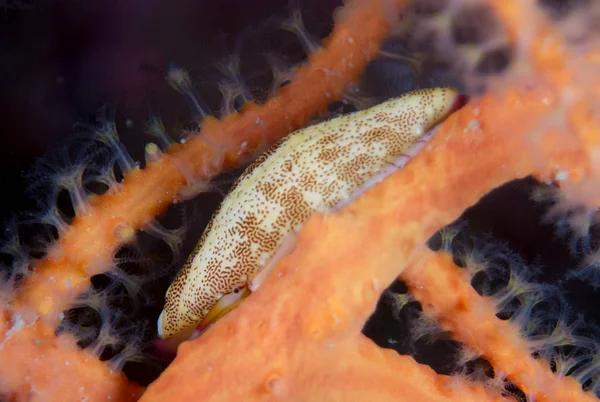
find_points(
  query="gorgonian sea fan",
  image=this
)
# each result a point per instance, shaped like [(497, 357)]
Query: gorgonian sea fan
[(498, 63)]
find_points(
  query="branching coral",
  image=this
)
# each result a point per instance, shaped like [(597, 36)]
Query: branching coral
[(311, 348), (88, 245)]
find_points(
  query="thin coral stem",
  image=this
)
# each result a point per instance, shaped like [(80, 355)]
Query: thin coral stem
[(447, 295)]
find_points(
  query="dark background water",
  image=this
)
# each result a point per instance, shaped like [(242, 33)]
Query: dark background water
[(62, 60)]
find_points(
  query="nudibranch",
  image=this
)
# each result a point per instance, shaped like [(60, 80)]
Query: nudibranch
[(312, 169)]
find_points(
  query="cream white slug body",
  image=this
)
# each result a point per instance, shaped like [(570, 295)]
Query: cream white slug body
[(310, 170)]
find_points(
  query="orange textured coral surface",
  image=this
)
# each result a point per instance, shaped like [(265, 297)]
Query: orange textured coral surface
[(48, 368)]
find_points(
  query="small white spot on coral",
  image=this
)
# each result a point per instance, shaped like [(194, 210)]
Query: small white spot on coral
[(473, 126), (336, 319), (350, 40), (17, 324), (561, 175), (331, 72), (183, 140), (67, 363)]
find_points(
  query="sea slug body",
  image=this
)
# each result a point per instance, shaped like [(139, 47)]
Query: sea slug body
[(310, 170)]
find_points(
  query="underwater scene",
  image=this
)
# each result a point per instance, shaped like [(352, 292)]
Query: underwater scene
[(303, 200)]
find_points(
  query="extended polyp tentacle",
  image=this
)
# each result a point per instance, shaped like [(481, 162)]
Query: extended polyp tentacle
[(180, 80), (282, 74), (155, 127), (295, 25), (172, 237), (233, 89), (15, 260), (106, 133), (104, 175), (47, 213), (63, 170)]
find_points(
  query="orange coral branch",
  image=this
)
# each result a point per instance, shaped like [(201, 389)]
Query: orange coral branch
[(447, 295), (345, 273), (38, 366)]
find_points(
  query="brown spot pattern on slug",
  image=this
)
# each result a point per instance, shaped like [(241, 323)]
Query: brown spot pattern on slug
[(310, 170)]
